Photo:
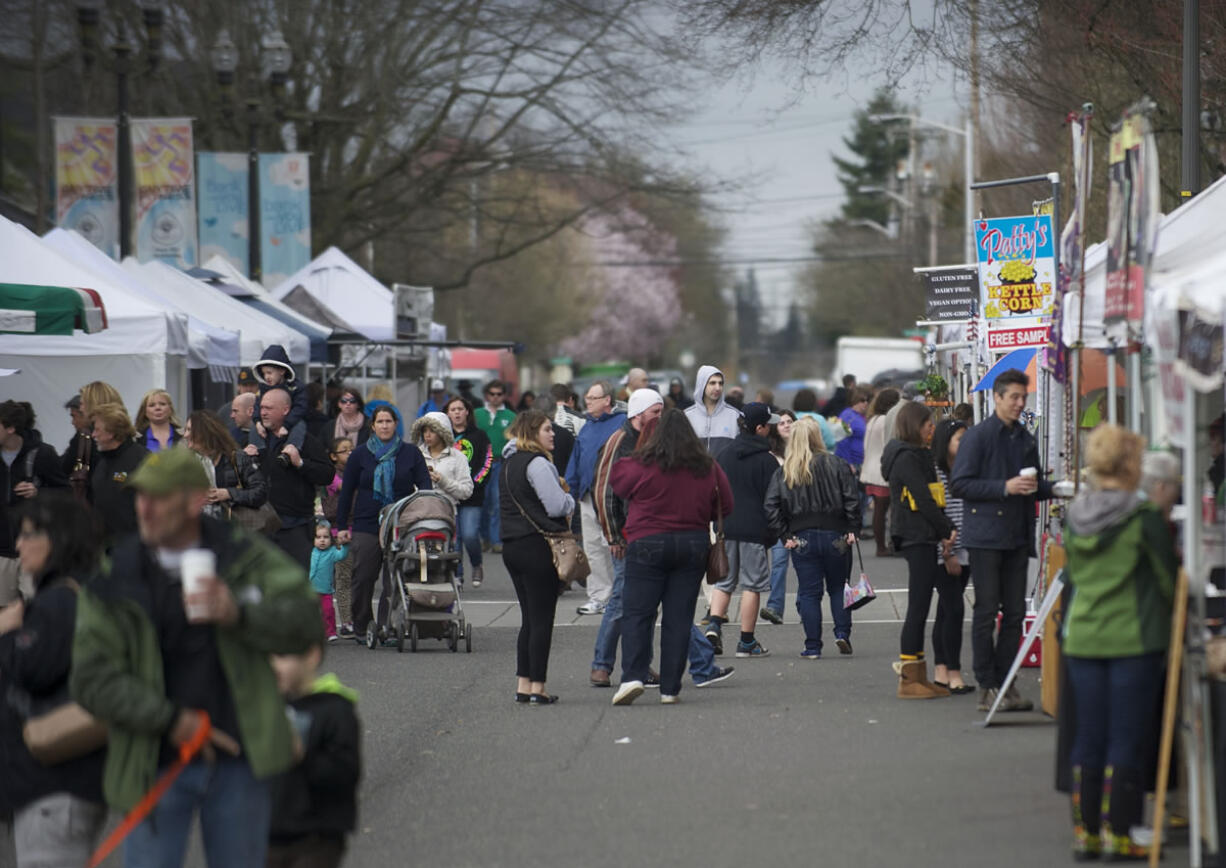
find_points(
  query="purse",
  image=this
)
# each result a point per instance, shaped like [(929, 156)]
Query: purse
[(78, 477), (64, 733), (569, 559), (861, 593), (717, 555), (262, 519), (935, 489)]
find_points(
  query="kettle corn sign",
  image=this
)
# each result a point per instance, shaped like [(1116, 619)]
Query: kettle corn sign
[(1016, 267)]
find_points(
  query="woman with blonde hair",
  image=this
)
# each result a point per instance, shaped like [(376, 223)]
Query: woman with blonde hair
[(1121, 571), (532, 502), (157, 426), (96, 394), (813, 506)]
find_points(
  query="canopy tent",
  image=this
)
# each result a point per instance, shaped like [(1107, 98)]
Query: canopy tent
[(256, 330), (49, 310), (258, 297), (209, 346), (143, 347), (345, 289)]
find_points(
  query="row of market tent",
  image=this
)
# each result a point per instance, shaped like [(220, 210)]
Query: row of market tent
[(69, 314)]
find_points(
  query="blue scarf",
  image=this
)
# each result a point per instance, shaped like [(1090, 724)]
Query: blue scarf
[(385, 468)]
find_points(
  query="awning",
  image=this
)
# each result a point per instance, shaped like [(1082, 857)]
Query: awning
[(27, 309), (1023, 360)]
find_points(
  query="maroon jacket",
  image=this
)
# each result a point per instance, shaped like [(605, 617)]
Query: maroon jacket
[(662, 502)]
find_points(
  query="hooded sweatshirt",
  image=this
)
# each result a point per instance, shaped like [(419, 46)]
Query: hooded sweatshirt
[(905, 465), (716, 430), (454, 480), (1121, 568), (749, 466)]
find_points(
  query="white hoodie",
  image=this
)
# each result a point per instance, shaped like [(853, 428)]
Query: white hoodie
[(455, 477), (716, 430)]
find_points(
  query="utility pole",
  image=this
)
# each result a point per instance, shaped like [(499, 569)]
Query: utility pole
[(972, 145), (1190, 150)]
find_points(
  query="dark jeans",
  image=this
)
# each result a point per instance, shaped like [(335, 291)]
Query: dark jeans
[(1114, 699), (924, 576), (999, 577), (819, 566), (662, 570), (313, 851), (468, 522), (530, 563), (297, 542), (367, 562), (951, 610)]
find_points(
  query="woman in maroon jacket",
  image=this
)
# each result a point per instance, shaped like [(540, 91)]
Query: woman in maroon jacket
[(674, 491)]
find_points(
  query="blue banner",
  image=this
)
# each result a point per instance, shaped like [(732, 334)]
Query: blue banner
[(1016, 267), (221, 187), (285, 215)]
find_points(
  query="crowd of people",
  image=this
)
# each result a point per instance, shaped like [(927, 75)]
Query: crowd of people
[(105, 609)]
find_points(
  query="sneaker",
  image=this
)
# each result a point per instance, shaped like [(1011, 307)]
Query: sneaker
[(600, 678), (771, 615), (844, 645), (987, 698), (590, 608), (716, 640), (478, 576), (1014, 701), (810, 654), (652, 680), (332, 637), (496, 549), (485, 545), (346, 631), (722, 673), (628, 692), (752, 650), (706, 619), (666, 699)]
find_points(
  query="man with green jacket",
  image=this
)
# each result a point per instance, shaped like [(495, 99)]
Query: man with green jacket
[(150, 671)]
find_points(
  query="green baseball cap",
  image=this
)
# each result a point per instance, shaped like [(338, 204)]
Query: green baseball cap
[(174, 469)]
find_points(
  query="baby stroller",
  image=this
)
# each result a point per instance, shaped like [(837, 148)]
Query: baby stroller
[(417, 534)]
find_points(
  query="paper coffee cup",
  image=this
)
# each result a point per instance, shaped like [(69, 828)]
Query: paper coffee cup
[(1029, 472), (197, 566)]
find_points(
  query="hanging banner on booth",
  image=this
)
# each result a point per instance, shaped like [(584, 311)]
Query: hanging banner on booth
[(1200, 348), (951, 294), (163, 172), (285, 215), (1072, 243), (221, 187), (87, 181), (1133, 212), (1016, 267)]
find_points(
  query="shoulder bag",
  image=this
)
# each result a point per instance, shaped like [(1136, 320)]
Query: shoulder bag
[(569, 558), (861, 593), (64, 733), (262, 519), (78, 477), (717, 555)]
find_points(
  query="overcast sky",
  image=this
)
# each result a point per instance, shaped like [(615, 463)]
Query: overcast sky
[(759, 128)]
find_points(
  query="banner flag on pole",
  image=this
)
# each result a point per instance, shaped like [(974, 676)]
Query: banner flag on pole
[(285, 215), (87, 180), (221, 187), (164, 174)]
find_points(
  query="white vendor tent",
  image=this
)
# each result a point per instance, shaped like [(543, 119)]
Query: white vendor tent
[(345, 289), (256, 330), (143, 347), (209, 346)]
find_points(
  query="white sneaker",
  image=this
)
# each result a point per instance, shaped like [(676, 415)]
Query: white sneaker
[(591, 608), (628, 692), (665, 699)]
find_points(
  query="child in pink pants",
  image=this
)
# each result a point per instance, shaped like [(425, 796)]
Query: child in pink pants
[(323, 561)]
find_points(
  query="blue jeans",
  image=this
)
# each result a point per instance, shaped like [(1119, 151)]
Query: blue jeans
[(491, 517), (468, 525), (779, 578), (662, 571), (702, 656), (611, 624), (819, 565), (234, 809), (1115, 699)]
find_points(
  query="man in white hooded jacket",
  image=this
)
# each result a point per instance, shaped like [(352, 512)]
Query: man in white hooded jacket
[(715, 422)]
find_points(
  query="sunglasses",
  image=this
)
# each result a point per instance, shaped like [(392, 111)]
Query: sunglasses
[(348, 401)]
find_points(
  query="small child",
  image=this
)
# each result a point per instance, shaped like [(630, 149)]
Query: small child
[(323, 562), (315, 802), (329, 500), (274, 371)]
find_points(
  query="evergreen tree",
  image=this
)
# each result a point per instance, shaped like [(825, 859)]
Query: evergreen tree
[(876, 149)]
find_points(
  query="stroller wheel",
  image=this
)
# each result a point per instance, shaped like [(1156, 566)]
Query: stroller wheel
[(399, 636), (413, 637), (453, 638), (468, 638), (372, 636)]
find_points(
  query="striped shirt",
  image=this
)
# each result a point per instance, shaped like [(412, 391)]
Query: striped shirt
[(953, 511)]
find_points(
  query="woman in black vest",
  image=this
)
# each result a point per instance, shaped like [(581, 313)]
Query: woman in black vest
[(533, 501)]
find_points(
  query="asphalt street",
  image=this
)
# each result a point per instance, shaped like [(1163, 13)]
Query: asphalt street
[(788, 763)]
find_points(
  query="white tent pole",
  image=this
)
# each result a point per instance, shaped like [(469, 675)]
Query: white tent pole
[(1135, 393), (1112, 385)]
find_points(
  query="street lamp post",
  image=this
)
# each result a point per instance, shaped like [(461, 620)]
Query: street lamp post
[(124, 143)]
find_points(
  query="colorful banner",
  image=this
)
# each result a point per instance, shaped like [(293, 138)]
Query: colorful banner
[(221, 185), (285, 215), (87, 181), (1072, 243), (1133, 212), (164, 225), (1016, 267)]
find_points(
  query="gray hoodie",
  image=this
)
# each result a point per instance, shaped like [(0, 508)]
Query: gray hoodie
[(1095, 510), (716, 430)]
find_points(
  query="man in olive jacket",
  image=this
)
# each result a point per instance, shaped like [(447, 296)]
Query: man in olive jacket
[(151, 672)]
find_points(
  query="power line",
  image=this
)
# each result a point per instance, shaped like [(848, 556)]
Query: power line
[(678, 263)]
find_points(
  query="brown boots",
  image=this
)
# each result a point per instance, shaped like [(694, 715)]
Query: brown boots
[(913, 681)]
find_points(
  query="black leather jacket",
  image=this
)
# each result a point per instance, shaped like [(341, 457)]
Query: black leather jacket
[(830, 502)]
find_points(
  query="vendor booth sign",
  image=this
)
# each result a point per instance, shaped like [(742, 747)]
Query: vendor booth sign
[(1017, 274), (86, 181), (951, 294), (1004, 340), (165, 178)]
